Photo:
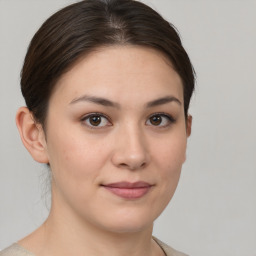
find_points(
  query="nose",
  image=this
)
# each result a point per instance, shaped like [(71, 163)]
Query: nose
[(131, 150)]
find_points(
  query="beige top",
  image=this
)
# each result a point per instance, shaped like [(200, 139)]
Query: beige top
[(17, 250)]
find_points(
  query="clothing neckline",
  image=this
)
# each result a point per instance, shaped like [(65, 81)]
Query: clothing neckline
[(158, 242), (24, 250)]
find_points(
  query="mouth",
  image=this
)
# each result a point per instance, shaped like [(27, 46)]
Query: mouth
[(129, 190)]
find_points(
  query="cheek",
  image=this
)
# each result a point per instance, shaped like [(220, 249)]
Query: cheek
[(171, 153), (74, 157), (75, 167), (169, 157)]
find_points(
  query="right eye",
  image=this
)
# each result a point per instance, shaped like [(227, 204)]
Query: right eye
[(96, 120)]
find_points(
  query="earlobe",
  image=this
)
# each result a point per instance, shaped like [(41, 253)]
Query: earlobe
[(32, 135)]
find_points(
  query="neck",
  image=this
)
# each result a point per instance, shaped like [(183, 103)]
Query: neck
[(80, 238), (66, 234)]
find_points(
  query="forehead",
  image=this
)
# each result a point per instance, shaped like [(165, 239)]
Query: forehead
[(120, 72)]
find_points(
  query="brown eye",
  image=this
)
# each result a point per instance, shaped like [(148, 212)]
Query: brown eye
[(96, 121), (156, 120), (160, 120)]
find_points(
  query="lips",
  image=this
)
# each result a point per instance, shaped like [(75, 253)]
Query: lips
[(129, 190)]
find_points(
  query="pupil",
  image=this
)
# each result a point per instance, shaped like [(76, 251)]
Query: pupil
[(156, 120), (95, 120)]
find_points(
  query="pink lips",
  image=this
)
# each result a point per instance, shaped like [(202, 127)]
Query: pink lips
[(129, 190)]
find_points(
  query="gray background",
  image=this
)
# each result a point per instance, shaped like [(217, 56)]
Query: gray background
[(213, 211)]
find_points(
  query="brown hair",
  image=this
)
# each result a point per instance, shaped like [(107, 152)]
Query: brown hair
[(80, 28)]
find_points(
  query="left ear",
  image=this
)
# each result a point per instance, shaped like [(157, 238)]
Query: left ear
[(188, 125)]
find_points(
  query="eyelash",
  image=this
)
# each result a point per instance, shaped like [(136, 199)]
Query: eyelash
[(85, 118), (171, 120)]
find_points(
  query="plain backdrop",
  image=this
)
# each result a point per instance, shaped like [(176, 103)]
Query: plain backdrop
[(214, 209)]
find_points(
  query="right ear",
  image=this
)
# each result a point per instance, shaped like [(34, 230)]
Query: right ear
[(32, 135)]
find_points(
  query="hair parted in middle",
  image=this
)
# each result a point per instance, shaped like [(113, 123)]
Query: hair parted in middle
[(79, 29)]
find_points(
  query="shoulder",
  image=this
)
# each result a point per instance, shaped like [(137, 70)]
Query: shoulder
[(15, 250), (169, 251)]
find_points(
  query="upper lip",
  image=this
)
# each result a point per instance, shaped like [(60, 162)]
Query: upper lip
[(125, 184)]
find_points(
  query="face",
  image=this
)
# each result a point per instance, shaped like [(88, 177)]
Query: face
[(116, 138)]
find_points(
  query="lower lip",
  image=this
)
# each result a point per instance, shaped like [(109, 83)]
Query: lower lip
[(129, 193)]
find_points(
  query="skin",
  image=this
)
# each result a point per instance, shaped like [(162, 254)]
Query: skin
[(127, 145)]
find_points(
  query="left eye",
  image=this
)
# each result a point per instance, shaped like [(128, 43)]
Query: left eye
[(96, 120), (161, 120)]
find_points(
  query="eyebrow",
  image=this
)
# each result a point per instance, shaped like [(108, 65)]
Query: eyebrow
[(108, 103), (162, 101), (96, 100)]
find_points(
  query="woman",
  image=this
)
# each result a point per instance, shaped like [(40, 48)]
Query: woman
[(107, 86)]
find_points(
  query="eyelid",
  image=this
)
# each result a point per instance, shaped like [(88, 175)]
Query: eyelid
[(163, 114), (85, 117)]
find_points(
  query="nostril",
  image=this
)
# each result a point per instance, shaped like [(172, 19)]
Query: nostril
[(143, 165), (132, 166), (133, 156)]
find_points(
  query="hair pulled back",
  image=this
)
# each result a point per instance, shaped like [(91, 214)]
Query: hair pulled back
[(80, 28)]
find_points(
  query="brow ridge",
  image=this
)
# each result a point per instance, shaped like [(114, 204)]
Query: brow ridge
[(108, 103), (162, 101), (98, 100)]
